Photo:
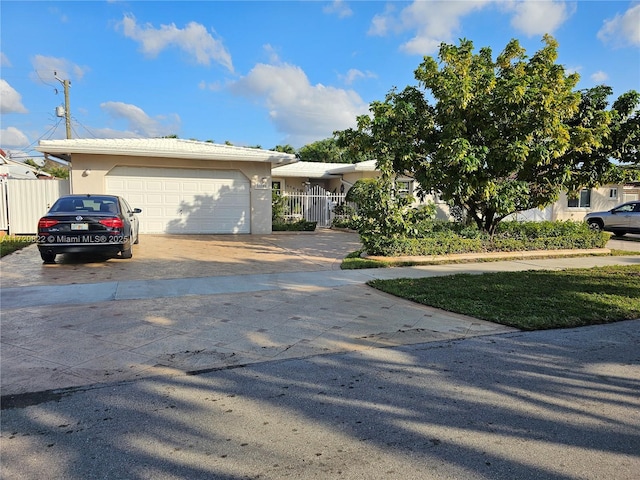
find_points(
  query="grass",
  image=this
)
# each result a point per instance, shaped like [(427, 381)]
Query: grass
[(11, 243), (531, 300), (354, 261)]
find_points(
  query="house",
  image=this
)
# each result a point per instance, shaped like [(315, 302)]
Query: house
[(182, 186), (18, 170), (339, 177), (588, 200), (332, 177)]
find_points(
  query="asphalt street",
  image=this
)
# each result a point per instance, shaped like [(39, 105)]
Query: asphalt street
[(543, 405)]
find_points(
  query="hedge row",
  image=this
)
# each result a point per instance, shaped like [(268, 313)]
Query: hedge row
[(299, 226), (511, 237)]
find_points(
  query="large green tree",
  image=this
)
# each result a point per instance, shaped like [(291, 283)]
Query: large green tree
[(328, 150), (614, 136), (492, 136)]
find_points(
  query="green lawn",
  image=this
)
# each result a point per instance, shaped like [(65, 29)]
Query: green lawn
[(531, 300), (10, 243)]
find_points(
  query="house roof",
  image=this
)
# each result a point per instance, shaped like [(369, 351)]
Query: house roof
[(322, 170), (366, 166), (306, 169), (162, 147), (12, 169)]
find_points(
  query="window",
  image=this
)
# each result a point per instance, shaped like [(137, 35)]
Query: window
[(403, 187), (613, 193), (276, 186), (582, 201)]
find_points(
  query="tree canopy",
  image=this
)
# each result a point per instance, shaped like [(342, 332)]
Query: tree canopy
[(501, 136), (328, 151)]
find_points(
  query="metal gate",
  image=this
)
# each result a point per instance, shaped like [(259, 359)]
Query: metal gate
[(314, 205)]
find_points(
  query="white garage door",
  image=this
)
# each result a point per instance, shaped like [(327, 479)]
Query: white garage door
[(176, 200)]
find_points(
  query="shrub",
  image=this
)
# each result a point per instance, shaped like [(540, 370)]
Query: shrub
[(278, 206), (345, 217), (450, 238), (299, 226)]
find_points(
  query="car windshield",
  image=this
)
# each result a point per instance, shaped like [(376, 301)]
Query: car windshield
[(85, 205)]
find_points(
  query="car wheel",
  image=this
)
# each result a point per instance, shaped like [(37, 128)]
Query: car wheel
[(619, 233), (595, 225), (137, 240), (127, 253), (48, 257)]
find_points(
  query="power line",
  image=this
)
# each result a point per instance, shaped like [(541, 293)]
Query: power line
[(50, 132), (93, 135)]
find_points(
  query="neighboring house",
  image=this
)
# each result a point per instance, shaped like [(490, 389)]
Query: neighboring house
[(18, 170), (594, 200), (182, 186)]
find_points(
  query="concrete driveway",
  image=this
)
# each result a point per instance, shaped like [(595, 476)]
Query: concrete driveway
[(187, 304), (187, 256)]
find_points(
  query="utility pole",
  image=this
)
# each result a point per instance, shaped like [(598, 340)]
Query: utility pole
[(67, 111)]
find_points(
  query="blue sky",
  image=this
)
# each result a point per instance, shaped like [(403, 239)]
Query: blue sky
[(266, 72)]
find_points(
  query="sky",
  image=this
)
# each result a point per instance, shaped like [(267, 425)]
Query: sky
[(266, 73)]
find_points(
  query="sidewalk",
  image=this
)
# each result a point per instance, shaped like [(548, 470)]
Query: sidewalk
[(59, 336)]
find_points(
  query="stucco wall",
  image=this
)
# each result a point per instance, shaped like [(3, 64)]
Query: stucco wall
[(88, 175), (600, 201)]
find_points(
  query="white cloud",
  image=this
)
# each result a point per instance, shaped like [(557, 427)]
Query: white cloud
[(622, 30), (353, 74), (44, 68), (434, 23), (599, 77), (4, 60), (271, 52), (539, 17), (139, 123), (214, 86), (384, 23), (12, 137), (194, 39), (10, 99), (338, 7), (304, 112)]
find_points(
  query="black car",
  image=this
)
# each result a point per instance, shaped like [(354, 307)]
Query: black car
[(100, 224)]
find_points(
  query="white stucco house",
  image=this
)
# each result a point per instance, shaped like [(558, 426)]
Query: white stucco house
[(182, 186), (339, 177)]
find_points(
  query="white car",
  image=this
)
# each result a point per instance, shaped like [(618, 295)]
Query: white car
[(620, 220)]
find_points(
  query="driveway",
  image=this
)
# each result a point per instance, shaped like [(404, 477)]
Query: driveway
[(187, 256), (190, 304)]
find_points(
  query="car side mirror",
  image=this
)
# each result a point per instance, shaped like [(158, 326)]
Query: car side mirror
[(137, 210)]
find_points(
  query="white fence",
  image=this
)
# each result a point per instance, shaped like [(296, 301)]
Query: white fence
[(23, 202), (314, 205)]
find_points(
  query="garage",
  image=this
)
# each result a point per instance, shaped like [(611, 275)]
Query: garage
[(175, 200), (182, 186)]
